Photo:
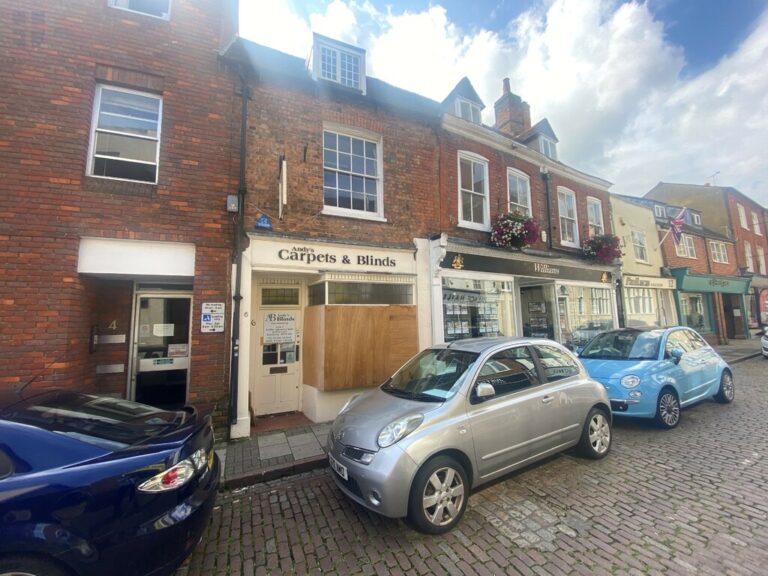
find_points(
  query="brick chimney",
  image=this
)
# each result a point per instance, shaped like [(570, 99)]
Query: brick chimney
[(513, 116)]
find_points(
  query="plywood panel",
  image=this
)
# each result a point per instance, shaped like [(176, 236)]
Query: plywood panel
[(313, 342), (364, 345)]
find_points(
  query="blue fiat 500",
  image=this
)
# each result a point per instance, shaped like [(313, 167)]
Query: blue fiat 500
[(653, 373)]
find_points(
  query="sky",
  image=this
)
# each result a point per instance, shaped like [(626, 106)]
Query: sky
[(637, 92)]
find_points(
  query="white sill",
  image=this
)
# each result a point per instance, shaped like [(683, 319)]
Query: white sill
[(569, 244), (474, 226), (166, 17), (643, 262), (358, 215), (121, 179)]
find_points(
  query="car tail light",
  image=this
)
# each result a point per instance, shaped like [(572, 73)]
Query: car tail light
[(177, 475)]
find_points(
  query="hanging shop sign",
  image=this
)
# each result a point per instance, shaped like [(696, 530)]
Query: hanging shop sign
[(475, 263)]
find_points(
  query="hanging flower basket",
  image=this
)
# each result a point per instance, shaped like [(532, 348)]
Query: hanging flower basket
[(603, 248), (514, 230)]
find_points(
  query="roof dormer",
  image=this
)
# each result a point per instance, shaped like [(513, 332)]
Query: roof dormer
[(464, 102), (338, 62)]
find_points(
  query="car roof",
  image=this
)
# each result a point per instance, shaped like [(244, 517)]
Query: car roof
[(480, 345)]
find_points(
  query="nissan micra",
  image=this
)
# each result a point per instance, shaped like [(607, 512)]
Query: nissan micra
[(459, 415)]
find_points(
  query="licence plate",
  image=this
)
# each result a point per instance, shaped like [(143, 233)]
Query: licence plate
[(337, 467)]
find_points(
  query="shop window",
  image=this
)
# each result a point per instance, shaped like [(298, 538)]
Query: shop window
[(557, 364), (595, 216), (519, 192), (360, 293), (601, 301), (473, 191), (125, 137), (351, 174), (280, 297), (584, 312), (569, 225), (317, 294), (510, 371), (640, 301), (473, 308), (695, 311)]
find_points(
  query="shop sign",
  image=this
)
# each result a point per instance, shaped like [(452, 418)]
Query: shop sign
[(212, 319), (331, 257), (476, 263), (705, 283), (648, 282), (279, 328)]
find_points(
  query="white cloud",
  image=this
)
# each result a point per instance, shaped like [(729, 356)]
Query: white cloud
[(601, 71)]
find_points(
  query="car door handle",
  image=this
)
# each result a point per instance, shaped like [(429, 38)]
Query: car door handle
[(547, 399)]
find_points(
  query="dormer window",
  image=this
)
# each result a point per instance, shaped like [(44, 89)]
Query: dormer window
[(659, 211), (547, 147), (338, 62), (468, 110), (696, 219)]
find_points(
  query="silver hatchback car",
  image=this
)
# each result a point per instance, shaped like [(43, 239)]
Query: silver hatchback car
[(459, 415)]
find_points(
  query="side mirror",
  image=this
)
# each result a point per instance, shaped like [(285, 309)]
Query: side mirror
[(484, 391), (578, 350), (676, 354)]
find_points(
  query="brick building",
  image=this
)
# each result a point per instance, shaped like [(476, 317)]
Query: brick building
[(735, 215), (117, 154), (357, 210), (710, 292)]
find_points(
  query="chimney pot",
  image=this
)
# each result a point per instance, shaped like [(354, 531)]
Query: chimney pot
[(506, 89)]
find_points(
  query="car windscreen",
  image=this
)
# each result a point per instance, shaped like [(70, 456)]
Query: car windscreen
[(110, 423), (432, 376), (624, 345)]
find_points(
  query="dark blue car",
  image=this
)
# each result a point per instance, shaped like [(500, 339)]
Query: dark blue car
[(91, 485)]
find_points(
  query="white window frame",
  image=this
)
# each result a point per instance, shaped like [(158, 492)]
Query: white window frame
[(756, 224), (687, 247), (641, 247), (477, 159), (600, 299), (750, 261), (697, 219), (474, 111), (742, 216), (719, 252), (365, 135), (591, 200), (94, 125), (659, 211), (521, 177), (562, 191), (761, 260), (641, 301), (166, 16), (338, 48), (548, 147)]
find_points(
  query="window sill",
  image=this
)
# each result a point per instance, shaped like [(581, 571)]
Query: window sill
[(569, 245), (473, 226), (342, 213), (122, 187)]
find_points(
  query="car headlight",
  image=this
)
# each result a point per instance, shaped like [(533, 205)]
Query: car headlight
[(630, 381), (399, 429), (348, 403)]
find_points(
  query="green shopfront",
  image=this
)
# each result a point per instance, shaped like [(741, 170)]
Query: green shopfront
[(712, 305)]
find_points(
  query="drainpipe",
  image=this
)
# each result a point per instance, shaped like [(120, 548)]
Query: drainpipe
[(239, 233), (545, 177)]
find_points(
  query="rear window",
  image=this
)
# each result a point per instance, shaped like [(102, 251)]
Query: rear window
[(110, 423)]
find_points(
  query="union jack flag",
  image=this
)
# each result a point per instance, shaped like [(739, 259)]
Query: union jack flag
[(676, 226)]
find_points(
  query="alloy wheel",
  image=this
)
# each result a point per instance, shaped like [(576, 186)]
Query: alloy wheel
[(443, 496), (599, 433), (669, 409), (726, 385)]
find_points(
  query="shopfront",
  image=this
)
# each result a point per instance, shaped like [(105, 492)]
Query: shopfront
[(649, 301), (712, 305), (759, 301), (322, 320), (491, 292)]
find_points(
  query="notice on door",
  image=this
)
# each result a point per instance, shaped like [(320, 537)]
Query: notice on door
[(212, 319), (279, 328)]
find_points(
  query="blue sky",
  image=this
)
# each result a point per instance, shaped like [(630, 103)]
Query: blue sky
[(637, 92)]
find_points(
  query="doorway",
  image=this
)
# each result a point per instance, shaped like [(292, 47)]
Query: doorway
[(161, 354), (276, 350)]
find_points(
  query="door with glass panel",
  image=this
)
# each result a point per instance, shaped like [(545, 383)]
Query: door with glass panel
[(277, 351)]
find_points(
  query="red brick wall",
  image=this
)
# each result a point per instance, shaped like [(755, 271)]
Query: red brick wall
[(54, 55), (703, 263), (289, 120), (741, 234)]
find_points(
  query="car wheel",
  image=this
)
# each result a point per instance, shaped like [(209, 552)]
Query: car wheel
[(667, 409), (727, 392), (438, 496), (596, 436), (29, 566)]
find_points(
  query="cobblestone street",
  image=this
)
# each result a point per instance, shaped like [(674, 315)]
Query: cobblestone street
[(690, 501)]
